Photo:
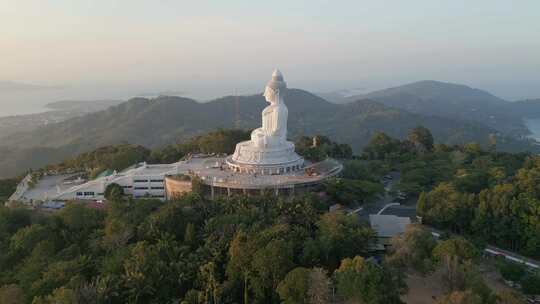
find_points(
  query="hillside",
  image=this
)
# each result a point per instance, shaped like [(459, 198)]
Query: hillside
[(59, 111), (164, 120), (86, 106), (453, 101)]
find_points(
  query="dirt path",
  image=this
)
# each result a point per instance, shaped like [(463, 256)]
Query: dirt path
[(426, 290), (423, 290)]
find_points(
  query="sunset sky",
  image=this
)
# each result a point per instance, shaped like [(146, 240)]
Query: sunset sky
[(209, 48)]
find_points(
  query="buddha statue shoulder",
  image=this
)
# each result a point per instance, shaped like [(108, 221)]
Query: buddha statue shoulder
[(273, 131)]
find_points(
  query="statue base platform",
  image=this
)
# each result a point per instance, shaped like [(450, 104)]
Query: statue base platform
[(248, 158)]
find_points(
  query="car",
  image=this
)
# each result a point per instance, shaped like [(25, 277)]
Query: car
[(401, 197)]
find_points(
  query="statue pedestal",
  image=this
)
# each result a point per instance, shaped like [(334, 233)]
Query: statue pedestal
[(248, 158)]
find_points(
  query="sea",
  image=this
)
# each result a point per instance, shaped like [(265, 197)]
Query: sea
[(35, 101), (534, 127)]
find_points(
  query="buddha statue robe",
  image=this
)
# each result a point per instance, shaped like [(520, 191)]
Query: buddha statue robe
[(274, 122)]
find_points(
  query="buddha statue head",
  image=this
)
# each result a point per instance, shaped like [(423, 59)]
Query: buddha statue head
[(275, 88)]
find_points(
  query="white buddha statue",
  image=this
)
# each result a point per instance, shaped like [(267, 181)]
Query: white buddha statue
[(268, 151), (274, 117)]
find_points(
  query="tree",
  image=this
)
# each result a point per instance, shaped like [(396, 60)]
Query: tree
[(116, 157), (341, 151), (530, 284), (458, 276), (26, 239), (421, 138), (509, 297), (452, 273), (210, 280), (421, 173), (319, 147), (369, 170), (365, 282), (169, 219), (511, 271), (61, 273), (166, 155), (13, 219), (11, 294), (158, 272), (239, 268), (445, 207), (220, 141), (472, 181), (124, 216), (80, 222), (381, 146), (455, 246), (319, 287), (114, 192), (412, 249), (7, 188), (294, 287), (348, 277), (197, 186), (461, 297), (189, 234), (350, 192), (339, 236), (508, 216), (59, 296), (29, 267), (270, 265)]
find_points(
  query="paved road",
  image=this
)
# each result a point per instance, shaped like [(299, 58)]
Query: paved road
[(376, 206)]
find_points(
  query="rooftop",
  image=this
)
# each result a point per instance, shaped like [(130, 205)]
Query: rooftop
[(49, 186), (401, 211), (388, 225)]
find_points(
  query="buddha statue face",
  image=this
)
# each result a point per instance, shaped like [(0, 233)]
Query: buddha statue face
[(271, 95), (275, 88)]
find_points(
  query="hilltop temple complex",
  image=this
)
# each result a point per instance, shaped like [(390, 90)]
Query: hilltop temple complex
[(265, 163)]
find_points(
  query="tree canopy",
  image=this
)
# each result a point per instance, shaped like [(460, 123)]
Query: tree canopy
[(256, 249)]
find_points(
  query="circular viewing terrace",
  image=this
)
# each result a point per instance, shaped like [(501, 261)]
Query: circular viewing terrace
[(223, 180)]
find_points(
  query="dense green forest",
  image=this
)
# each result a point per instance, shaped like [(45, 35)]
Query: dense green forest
[(490, 196), (239, 250), (7, 187)]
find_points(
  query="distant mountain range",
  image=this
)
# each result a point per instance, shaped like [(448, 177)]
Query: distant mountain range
[(454, 113), (453, 101)]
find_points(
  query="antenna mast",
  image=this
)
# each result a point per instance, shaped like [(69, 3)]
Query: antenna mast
[(236, 110)]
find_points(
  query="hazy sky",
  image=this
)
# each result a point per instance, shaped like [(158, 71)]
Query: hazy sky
[(116, 48)]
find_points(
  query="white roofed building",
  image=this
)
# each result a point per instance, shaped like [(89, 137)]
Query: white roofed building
[(141, 180)]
